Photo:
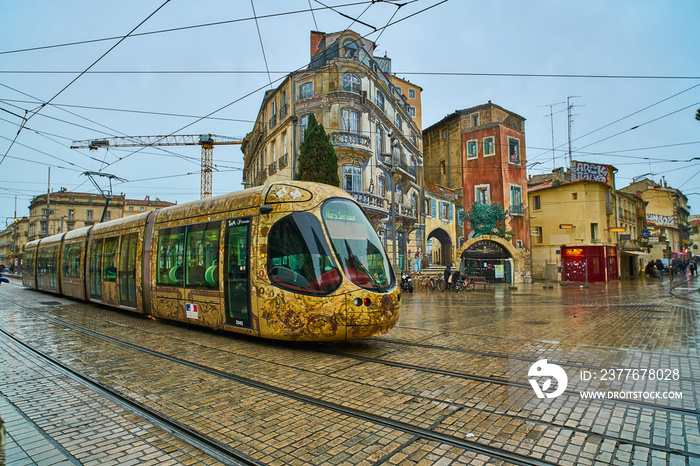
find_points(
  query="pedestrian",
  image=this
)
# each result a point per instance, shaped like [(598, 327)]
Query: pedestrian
[(419, 258), (660, 268), (448, 273), (693, 268)]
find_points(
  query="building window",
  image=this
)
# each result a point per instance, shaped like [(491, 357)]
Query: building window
[(303, 124), (442, 168), (71, 214), (351, 83), (399, 195), (536, 232), (489, 146), (108, 216), (472, 151), (475, 119), (306, 90), (351, 120), (380, 139), (443, 133), (380, 100), (350, 49), (142, 209), (412, 94), (514, 151), (536, 202), (352, 178), (594, 232), (382, 186), (445, 211), (574, 196), (398, 122), (412, 111), (131, 207), (482, 193), (516, 200), (89, 214)]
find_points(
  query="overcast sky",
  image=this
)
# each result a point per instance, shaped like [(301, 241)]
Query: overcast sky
[(631, 64)]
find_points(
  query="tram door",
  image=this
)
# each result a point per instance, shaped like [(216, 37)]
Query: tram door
[(237, 279), (94, 271)]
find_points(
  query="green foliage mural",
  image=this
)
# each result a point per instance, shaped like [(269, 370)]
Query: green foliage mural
[(317, 159), (486, 219)]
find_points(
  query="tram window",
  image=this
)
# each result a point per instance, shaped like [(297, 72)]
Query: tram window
[(299, 258), (171, 246), (109, 259), (203, 254), (358, 248), (71, 260)]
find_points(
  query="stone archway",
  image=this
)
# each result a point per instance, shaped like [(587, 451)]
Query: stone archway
[(445, 245), (490, 247)]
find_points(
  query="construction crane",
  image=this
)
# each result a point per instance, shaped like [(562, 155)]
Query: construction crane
[(207, 141)]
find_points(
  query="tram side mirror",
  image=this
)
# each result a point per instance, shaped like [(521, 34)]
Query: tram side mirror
[(265, 209)]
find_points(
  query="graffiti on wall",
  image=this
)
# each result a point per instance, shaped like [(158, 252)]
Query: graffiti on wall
[(662, 220), (589, 171)]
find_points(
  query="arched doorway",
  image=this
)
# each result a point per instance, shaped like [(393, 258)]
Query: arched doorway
[(490, 257), (440, 253)]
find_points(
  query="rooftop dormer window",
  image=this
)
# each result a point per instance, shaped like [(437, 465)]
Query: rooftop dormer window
[(350, 49)]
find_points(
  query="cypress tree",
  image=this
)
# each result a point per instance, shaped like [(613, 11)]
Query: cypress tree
[(317, 160)]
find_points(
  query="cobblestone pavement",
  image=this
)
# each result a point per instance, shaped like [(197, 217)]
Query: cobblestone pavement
[(454, 383)]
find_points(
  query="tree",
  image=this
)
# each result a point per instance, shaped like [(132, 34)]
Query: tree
[(317, 159), (485, 219)]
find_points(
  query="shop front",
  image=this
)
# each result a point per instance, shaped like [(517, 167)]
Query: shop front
[(488, 259), (589, 263)]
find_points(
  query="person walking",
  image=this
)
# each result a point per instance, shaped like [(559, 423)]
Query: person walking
[(660, 268), (419, 258)]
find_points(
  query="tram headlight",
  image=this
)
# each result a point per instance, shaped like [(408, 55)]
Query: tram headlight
[(368, 302), (357, 302)]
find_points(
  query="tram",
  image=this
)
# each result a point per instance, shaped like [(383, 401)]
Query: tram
[(288, 261)]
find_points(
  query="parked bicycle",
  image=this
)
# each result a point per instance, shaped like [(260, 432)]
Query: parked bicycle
[(456, 282), (429, 283)]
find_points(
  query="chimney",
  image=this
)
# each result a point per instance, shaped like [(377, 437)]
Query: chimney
[(316, 38)]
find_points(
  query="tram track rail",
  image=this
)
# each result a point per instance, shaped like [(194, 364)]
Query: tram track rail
[(418, 432)]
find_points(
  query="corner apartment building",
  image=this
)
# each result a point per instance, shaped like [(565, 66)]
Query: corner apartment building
[(667, 218), (572, 214), (368, 118), (479, 152)]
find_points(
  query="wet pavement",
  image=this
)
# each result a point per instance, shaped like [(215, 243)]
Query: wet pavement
[(456, 382)]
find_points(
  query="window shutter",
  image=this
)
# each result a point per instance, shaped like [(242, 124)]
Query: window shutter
[(433, 208), (449, 207)]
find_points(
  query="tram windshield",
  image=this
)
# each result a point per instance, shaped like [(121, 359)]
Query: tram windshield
[(357, 246)]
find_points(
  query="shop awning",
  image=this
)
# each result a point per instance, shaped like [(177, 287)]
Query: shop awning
[(634, 253)]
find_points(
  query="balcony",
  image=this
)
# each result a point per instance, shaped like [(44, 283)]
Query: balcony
[(406, 211), (516, 210), (272, 168), (371, 201), (273, 121), (351, 140), (282, 162), (283, 112)]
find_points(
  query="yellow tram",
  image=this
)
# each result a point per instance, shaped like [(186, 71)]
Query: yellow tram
[(287, 261)]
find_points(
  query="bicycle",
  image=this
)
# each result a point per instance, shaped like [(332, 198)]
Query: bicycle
[(429, 283)]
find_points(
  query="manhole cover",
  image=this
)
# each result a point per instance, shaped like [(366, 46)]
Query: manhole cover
[(50, 303), (536, 322)]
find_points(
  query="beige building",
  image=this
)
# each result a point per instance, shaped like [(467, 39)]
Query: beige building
[(443, 223), (65, 210), (572, 217), (12, 241), (412, 94), (667, 218), (631, 216), (369, 121)]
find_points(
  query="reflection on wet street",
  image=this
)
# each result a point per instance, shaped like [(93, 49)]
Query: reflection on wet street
[(538, 374)]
